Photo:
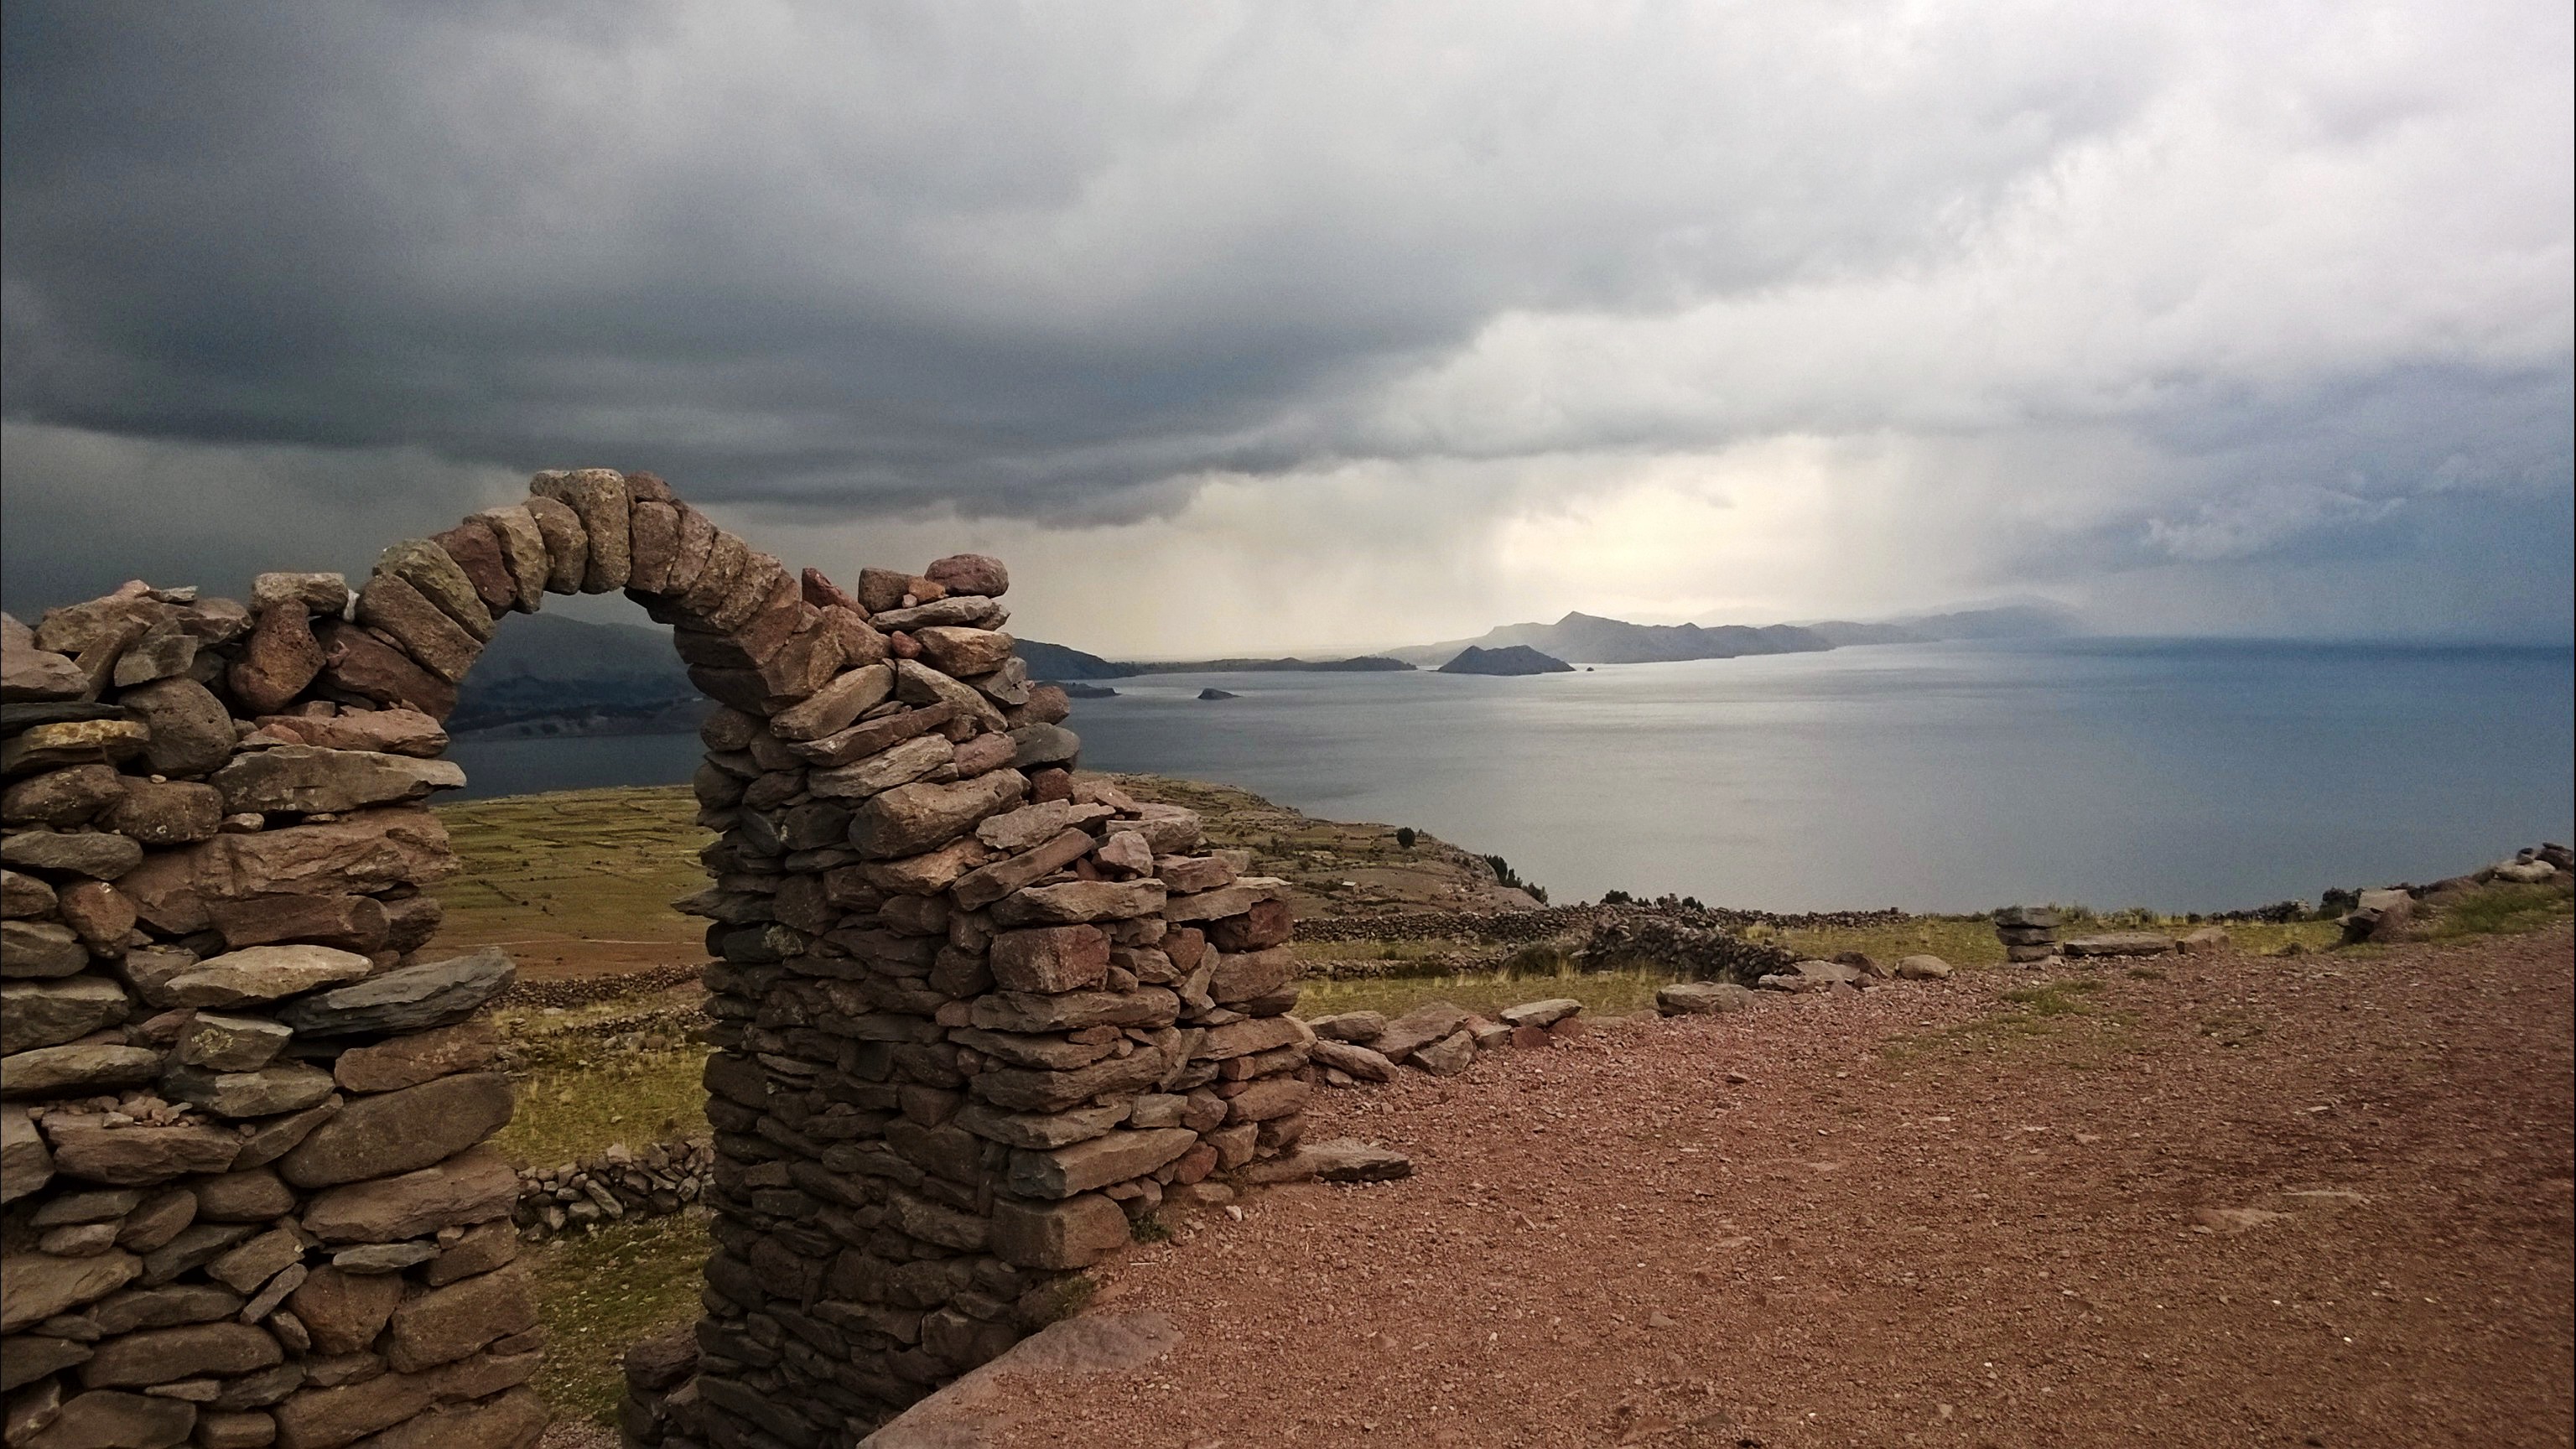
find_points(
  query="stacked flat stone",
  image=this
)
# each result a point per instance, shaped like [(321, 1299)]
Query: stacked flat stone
[(242, 1127), (246, 1197), (2029, 933), (976, 1015)]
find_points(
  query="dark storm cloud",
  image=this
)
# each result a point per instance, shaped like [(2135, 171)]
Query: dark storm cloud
[(2201, 287)]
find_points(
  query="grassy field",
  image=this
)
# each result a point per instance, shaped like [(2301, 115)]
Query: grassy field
[(575, 883), (570, 1112), (597, 1295)]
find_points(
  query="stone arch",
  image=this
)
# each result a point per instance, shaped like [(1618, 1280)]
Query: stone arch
[(972, 1013)]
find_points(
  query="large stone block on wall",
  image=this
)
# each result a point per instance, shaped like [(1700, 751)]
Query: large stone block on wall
[(909, 819), (115, 1419), (1074, 1233), (138, 1155), (42, 1285), (360, 853), (49, 1013), (1080, 900), (445, 1324), (359, 664), (310, 780), (262, 973), (397, 1131), (413, 998), (474, 1186), (1099, 1162), (1050, 959)]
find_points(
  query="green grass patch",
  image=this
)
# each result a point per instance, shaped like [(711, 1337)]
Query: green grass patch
[(1603, 993), (1959, 940), (592, 863), (2058, 1015), (2502, 908), (597, 1295), (569, 1113)]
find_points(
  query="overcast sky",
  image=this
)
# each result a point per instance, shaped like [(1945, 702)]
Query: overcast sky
[(1326, 326)]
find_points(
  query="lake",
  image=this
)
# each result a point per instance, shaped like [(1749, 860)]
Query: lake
[(2187, 776)]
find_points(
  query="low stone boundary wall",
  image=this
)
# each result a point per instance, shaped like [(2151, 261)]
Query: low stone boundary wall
[(615, 1185)]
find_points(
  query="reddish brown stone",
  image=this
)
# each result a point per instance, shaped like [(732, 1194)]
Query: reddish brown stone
[(861, 644), (96, 912), (435, 641), (277, 662), (478, 553), (654, 546), (822, 593), (1267, 924), (1050, 959), (351, 923), (445, 1324), (408, 1061), (970, 573), (358, 663)]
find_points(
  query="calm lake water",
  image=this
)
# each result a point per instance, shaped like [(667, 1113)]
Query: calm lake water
[(2185, 776)]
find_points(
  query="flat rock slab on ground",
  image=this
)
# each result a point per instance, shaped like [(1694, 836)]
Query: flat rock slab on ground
[(1884, 1220)]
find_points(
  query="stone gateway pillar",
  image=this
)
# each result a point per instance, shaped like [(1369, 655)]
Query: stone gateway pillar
[(975, 1014)]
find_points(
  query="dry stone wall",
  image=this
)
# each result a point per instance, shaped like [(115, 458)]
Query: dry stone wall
[(975, 1013)]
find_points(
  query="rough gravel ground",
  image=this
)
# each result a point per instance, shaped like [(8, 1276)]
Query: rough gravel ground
[(2320, 1200)]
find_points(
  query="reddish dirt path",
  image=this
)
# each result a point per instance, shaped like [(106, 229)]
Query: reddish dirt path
[(2048, 1242)]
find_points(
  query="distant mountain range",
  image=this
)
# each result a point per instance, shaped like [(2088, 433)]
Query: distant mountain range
[(549, 675), (1590, 639), (545, 674)]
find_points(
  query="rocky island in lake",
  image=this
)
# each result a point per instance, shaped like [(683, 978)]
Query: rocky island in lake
[(1510, 659)]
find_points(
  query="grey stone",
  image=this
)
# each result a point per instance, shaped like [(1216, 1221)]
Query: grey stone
[(394, 1132), (899, 765), (1419, 1027), (112, 1419), (222, 1043), (191, 731), (263, 973), (1540, 1013), (26, 1164), (470, 1187), (910, 819), (1347, 1159), (77, 1068), (832, 708), (1448, 1056), (43, 1013), (2118, 943), (267, 1091), (1036, 745), (308, 779), (434, 574), (72, 742), (1359, 1027), (92, 853), (1078, 901), (315, 593), (140, 1154), (1357, 1060), (412, 998), (42, 1285), (1702, 998)]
